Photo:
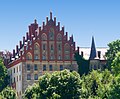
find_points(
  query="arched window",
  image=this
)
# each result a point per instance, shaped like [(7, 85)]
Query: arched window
[(67, 51), (36, 57), (36, 51), (44, 37), (51, 34), (67, 48), (59, 37), (36, 46), (29, 56)]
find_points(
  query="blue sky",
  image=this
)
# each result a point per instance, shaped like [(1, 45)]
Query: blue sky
[(82, 18)]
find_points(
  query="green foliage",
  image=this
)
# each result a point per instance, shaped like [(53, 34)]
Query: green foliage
[(3, 76), (8, 93), (59, 85), (114, 48), (83, 65), (116, 64), (115, 91), (97, 84)]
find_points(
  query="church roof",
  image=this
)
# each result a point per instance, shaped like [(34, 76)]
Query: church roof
[(93, 50)]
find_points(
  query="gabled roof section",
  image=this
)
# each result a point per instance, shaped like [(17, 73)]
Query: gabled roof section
[(93, 50)]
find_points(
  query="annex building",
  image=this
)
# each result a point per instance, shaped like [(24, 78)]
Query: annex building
[(43, 49)]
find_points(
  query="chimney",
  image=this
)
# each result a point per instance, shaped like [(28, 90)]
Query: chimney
[(50, 15), (46, 20), (27, 36), (78, 49), (35, 21), (17, 48), (99, 54), (20, 44), (55, 21), (13, 53), (63, 29), (43, 25), (58, 26), (66, 35), (82, 54), (23, 39), (39, 29)]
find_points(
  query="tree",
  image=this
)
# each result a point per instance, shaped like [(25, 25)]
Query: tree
[(116, 64), (58, 85), (83, 65), (8, 93), (97, 84), (114, 48), (115, 91), (3, 76)]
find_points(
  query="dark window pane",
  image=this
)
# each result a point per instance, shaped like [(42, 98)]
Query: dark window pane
[(35, 67), (28, 77), (36, 77), (44, 67), (61, 67), (28, 67), (50, 68)]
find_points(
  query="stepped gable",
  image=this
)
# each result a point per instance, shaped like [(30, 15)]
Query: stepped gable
[(34, 35)]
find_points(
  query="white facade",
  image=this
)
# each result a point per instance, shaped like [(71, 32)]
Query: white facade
[(86, 52), (15, 73)]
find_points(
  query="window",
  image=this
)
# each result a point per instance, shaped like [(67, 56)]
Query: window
[(50, 68), (43, 57), (14, 79), (19, 67), (28, 67), (59, 37), (19, 77), (14, 70), (36, 77), (51, 47), (36, 47), (44, 37), (59, 47), (51, 57), (28, 56), (11, 72), (20, 92), (35, 67), (61, 67), (28, 77), (51, 36), (44, 46), (95, 67), (36, 57), (59, 57), (44, 67)]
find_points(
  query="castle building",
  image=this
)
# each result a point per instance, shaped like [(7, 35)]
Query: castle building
[(44, 49), (96, 56)]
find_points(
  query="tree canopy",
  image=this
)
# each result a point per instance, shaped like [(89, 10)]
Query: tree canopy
[(83, 65), (59, 85), (3, 76), (8, 93), (114, 48), (97, 84), (116, 64)]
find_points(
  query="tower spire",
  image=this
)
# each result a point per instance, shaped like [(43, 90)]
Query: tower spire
[(93, 49)]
